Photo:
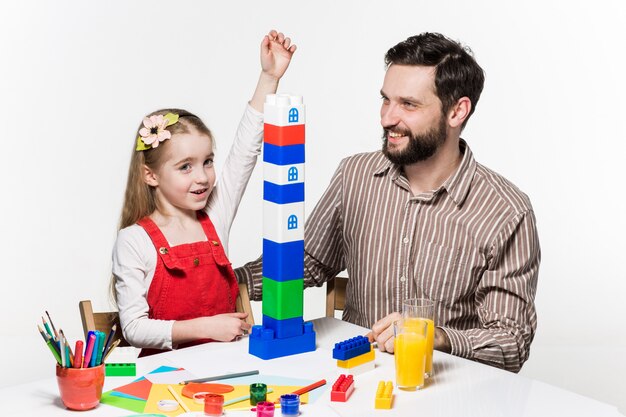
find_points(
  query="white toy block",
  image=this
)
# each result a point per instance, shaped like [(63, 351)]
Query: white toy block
[(284, 110), (283, 222), (283, 174)]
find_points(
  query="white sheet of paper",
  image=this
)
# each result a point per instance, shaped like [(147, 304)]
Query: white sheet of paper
[(172, 377)]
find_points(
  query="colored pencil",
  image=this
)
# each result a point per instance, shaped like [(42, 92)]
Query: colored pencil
[(52, 324), (310, 387), (109, 340), (113, 346), (178, 399), (216, 378), (45, 324), (243, 398)]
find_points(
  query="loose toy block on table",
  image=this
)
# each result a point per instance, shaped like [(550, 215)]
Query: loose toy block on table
[(342, 388), (384, 395), (352, 347), (120, 369), (357, 360)]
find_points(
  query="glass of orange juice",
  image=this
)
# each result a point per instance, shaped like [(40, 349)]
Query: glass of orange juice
[(410, 353), (423, 309)]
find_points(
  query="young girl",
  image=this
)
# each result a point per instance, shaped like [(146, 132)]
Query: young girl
[(173, 282)]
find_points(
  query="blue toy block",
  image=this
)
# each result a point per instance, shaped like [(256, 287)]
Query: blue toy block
[(283, 194), (352, 347), (284, 328), (264, 345), (283, 155), (283, 261)]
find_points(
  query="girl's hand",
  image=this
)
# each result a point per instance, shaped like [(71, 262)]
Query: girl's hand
[(226, 327), (221, 327), (276, 53)]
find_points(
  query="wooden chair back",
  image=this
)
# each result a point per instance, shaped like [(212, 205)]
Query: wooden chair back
[(335, 295)]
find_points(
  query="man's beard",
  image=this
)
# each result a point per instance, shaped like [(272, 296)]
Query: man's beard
[(419, 148)]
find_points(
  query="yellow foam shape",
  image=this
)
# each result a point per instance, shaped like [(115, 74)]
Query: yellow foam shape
[(383, 395), (159, 392), (357, 360)]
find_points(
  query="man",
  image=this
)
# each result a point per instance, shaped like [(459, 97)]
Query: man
[(422, 218)]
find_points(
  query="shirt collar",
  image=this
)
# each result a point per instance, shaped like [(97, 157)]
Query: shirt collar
[(457, 185)]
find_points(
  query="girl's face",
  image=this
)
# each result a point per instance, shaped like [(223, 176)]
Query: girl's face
[(186, 177)]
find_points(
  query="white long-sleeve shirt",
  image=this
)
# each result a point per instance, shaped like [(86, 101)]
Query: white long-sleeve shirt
[(134, 254)]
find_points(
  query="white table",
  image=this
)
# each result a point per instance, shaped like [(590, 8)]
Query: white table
[(459, 387)]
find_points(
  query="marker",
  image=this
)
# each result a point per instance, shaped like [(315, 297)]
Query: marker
[(100, 345), (89, 349), (78, 354)]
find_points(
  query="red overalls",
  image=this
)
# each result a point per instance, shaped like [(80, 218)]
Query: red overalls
[(190, 280)]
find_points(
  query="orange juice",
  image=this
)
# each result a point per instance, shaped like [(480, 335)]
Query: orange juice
[(410, 354), (430, 341)]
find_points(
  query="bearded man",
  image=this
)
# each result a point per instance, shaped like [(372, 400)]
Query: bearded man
[(422, 218)]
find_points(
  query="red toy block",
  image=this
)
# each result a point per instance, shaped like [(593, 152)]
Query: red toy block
[(284, 135), (342, 388)]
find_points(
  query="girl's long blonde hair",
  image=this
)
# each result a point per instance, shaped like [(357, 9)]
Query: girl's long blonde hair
[(139, 198)]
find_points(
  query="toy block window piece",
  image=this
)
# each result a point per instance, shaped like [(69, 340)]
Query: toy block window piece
[(342, 388), (292, 174), (351, 348), (384, 395), (293, 115), (275, 220), (357, 360), (292, 222)]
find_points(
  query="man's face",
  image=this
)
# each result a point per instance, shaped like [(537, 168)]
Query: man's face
[(414, 127)]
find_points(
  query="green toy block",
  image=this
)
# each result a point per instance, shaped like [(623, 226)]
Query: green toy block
[(283, 299), (120, 369)]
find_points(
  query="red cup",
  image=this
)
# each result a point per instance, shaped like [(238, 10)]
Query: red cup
[(80, 388)]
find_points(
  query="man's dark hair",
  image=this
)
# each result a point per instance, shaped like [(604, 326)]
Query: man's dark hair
[(456, 72)]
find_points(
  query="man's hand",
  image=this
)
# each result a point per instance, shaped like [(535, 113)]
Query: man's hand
[(382, 332)]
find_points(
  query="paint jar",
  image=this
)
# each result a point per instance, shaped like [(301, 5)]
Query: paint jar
[(290, 404), (213, 405), (265, 409), (80, 388), (258, 393)]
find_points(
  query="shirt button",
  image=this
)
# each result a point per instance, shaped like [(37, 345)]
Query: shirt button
[(402, 279), (405, 240)]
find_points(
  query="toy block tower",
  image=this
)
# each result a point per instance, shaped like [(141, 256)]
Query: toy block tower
[(283, 331)]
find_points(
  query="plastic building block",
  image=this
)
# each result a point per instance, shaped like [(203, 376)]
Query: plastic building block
[(284, 110), (283, 194), (342, 388), (384, 395), (283, 261), (357, 360), (120, 369), (283, 299), (283, 174), (283, 155), (283, 135), (351, 347), (283, 222), (284, 328), (263, 344), (358, 370)]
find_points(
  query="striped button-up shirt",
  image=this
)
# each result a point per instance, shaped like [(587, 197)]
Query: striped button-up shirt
[(471, 246)]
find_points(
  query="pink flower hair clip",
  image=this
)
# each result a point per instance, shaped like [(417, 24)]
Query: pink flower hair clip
[(154, 130)]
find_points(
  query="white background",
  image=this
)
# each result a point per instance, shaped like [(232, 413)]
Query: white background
[(76, 77)]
